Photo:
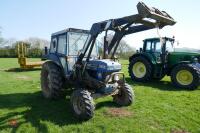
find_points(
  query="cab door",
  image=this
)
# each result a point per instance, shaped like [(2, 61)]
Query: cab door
[(157, 49), (76, 42), (154, 49), (61, 51)]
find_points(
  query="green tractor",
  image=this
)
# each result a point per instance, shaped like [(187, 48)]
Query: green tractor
[(158, 58)]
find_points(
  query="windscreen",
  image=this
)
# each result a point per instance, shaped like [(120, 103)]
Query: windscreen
[(169, 46), (77, 43)]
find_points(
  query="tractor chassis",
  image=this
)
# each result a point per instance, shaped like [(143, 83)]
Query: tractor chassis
[(93, 85)]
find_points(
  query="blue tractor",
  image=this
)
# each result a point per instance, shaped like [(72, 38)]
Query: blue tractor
[(74, 62)]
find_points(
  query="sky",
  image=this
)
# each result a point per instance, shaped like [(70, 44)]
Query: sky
[(22, 19)]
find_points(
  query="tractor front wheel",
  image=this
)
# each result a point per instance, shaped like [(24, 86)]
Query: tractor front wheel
[(125, 96), (140, 69), (51, 81), (82, 104), (185, 76)]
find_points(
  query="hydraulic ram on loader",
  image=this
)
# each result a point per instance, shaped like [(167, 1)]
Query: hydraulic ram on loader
[(146, 19)]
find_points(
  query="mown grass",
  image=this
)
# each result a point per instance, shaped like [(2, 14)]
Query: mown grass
[(158, 107)]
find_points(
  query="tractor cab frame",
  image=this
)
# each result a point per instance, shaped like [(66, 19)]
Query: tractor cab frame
[(159, 48), (66, 46)]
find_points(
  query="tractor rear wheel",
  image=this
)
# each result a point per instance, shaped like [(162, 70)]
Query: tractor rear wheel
[(125, 96), (140, 69), (82, 104), (51, 81), (185, 76)]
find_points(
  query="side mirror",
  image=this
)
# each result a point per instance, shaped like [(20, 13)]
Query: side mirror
[(141, 49), (45, 50)]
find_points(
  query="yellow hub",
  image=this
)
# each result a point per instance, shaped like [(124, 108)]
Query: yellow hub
[(139, 69), (184, 77)]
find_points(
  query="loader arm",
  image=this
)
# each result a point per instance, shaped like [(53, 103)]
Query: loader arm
[(146, 19)]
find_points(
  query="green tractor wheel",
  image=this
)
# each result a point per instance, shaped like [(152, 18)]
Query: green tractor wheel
[(140, 69), (185, 76)]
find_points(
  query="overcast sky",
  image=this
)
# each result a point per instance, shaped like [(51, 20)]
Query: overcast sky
[(21, 19)]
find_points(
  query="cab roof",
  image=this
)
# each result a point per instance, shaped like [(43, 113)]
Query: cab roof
[(70, 30), (157, 38)]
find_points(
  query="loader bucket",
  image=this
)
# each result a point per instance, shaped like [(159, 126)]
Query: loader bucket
[(161, 17)]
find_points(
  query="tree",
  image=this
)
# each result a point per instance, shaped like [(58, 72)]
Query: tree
[(37, 42), (10, 43), (1, 38), (34, 46)]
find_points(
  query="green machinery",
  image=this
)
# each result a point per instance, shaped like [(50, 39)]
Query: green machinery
[(158, 58)]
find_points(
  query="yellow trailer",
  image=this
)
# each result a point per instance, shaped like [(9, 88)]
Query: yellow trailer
[(22, 60)]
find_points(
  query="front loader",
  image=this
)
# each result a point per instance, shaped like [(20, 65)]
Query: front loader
[(74, 61)]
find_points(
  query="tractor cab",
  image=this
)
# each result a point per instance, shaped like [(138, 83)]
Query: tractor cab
[(158, 48), (66, 45), (158, 45)]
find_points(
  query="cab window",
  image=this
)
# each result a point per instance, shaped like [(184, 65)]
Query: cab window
[(53, 45), (76, 42), (157, 46), (62, 44), (148, 46), (153, 46), (169, 46)]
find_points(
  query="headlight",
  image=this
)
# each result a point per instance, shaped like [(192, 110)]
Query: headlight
[(195, 60), (102, 66), (111, 68), (116, 78)]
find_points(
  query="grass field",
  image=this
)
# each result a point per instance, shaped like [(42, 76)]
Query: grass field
[(158, 107)]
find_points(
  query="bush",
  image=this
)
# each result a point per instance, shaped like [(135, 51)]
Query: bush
[(9, 53), (12, 53)]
